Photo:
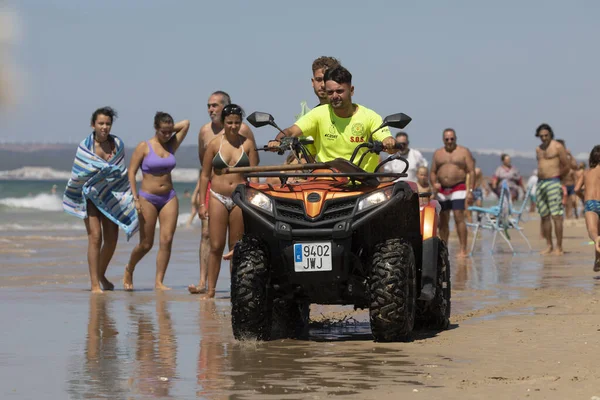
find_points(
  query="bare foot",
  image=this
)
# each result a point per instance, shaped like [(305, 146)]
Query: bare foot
[(97, 290), (128, 279), (197, 289), (547, 251), (160, 286), (106, 284), (228, 256), (210, 294), (462, 254), (558, 252)]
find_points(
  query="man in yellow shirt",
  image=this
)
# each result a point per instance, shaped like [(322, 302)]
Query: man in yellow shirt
[(340, 126)]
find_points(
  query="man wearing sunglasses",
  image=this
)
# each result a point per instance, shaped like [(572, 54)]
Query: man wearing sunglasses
[(414, 157), (453, 178), (553, 163)]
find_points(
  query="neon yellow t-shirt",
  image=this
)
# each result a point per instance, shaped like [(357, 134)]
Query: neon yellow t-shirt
[(338, 137)]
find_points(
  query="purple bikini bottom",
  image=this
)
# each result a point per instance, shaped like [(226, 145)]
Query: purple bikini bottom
[(158, 200)]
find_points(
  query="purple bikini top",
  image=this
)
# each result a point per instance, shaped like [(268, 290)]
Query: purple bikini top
[(155, 165)]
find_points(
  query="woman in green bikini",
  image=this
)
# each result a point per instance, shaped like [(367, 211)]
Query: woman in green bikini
[(229, 149)]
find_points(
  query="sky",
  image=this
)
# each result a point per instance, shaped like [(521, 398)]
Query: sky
[(491, 70)]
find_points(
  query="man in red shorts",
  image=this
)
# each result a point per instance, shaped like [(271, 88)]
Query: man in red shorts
[(453, 178)]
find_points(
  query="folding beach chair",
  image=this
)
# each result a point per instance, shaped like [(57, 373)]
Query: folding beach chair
[(515, 216), (496, 218)]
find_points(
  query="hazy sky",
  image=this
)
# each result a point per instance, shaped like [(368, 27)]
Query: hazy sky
[(493, 70)]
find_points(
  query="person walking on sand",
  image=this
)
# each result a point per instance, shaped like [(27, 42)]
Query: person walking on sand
[(156, 199), (578, 176), (229, 149), (568, 182), (99, 193), (452, 176), (552, 164), (480, 186), (216, 102), (588, 188)]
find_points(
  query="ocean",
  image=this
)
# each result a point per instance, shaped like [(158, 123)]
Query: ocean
[(29, 205)]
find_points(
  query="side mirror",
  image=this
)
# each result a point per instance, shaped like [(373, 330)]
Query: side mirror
[(258, 119), (398, 121)]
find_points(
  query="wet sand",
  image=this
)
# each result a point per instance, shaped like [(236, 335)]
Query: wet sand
[(523, 326)]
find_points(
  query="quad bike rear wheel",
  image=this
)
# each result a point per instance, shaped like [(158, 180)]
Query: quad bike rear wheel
[(392, 291), (436, 314), (250, 302)]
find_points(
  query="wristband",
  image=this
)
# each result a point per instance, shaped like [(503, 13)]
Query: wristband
[(202, 205)]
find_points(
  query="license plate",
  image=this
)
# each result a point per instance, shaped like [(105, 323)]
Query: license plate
[(312, 257)]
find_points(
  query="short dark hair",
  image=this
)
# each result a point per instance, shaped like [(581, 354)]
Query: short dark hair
[(224, 95), (544, 127), (232, 109), (338, 74), (503, 156), (162, 118), (448, 130), (402, 133), (595, 156), (108, 111), (561, 142), (324, 62)]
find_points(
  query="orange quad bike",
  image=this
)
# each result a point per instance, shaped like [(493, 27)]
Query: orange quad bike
[(336, 235)]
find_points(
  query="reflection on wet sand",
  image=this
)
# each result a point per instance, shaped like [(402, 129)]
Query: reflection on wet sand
[(155, 351), (100, 375), (292, 368), (214, 348)]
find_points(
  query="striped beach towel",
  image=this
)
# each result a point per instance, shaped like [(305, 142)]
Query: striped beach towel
[(104, 183)]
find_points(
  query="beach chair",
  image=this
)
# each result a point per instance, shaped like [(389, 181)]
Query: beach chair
[(495, 218), (515, 215)]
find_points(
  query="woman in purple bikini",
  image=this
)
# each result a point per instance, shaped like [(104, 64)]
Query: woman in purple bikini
[(156, 199)]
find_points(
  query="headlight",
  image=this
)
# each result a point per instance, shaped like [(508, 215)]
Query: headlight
[(375, 198), (259, 200)]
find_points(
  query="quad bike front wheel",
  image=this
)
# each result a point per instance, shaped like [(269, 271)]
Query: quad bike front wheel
[(250, 303), (436, 313), (392, 291)]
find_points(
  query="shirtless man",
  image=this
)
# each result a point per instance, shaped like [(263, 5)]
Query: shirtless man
[(216, 102), (452, 177), (552, 164), (568, 181)]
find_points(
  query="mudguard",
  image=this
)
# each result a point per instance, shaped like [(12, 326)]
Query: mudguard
[(429, 268)]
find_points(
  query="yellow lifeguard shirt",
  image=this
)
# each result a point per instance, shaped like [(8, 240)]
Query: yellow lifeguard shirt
[(337, 137)]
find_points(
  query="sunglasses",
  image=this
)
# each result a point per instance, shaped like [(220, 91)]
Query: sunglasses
[(449, 139)]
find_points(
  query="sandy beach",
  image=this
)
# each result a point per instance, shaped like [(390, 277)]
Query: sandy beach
[(523, 326)]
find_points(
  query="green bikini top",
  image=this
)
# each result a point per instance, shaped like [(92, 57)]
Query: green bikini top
[(219, 163)]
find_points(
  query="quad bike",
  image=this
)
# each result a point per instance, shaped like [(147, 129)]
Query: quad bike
[(340, 235)]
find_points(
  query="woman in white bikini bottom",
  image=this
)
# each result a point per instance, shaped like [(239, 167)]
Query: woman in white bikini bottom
[(225, 200)]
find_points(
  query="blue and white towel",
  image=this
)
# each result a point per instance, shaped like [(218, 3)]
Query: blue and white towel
[(104, 183)]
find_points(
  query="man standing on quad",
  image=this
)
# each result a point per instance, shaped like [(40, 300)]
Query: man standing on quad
[(453, 178), (341, 125)]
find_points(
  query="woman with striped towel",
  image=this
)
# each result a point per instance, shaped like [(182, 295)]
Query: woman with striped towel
[(99, 193)]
